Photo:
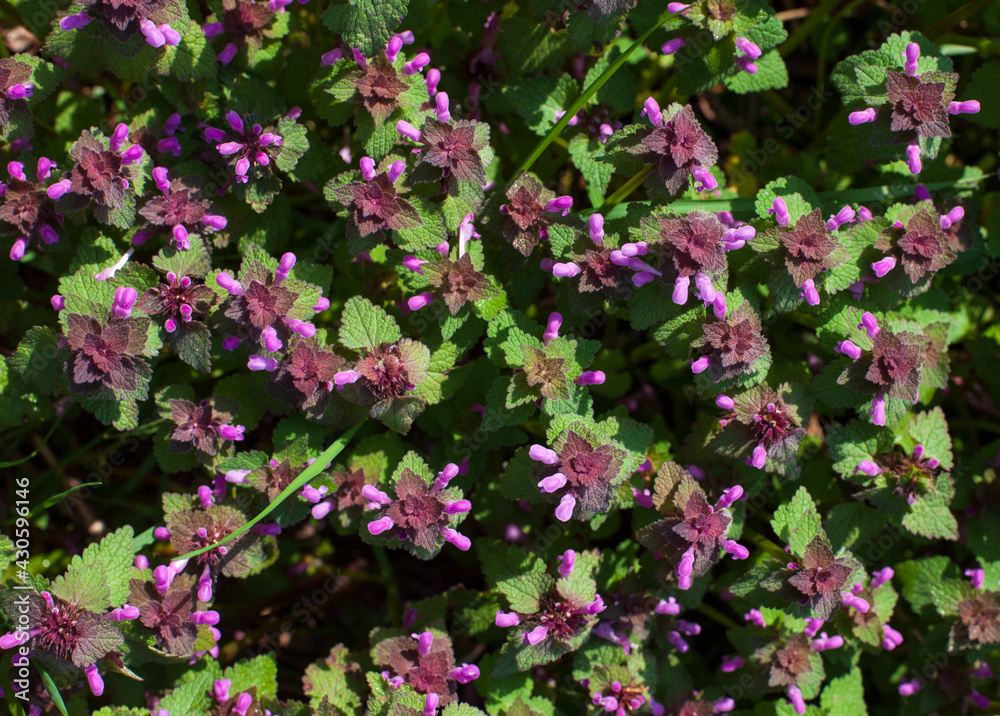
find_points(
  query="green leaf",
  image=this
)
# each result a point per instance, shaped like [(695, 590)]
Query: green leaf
[(584, 150), (37, 360), (584, 98), (947, 594), (52, 689), (525, 592), (983, 86), (845, 696), (99, 579), (800, 198), (851, 443), (193, 694), (919, 575), (367, 24), (192, 342), (366, 326), (504, 563), (930, 429), (294, 143), (430, 232), (538, 99), (771, 74), (261, 672), (192, 59), (853, 525), (930, 516), (797, 521), (327, 680)]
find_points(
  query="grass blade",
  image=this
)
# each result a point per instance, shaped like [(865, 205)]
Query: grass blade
[(297, 484), (588, 93)]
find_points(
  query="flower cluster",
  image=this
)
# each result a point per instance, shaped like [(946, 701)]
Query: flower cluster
[(808, 248), (206, 427), (917, 106), (763, 426), (920, 247), (693, 534), (246, 145), (891, 368), (581, 474), (103, 174), (374, 202), (180, 211), (261, 304), (244, 22), (426, 662), (563, 615), (106, 358), (733, 341), (26, 211), (675, 147), (124, 21), (422, 516), (528, 202)]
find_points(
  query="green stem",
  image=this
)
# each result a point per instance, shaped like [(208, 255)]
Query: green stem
[(951, 19), (714, 614), (765, 544), (388, 577), (15, 463), (814, 18), (745, 205), (587, 94), (628, 187), (982, 45), (297, 484)]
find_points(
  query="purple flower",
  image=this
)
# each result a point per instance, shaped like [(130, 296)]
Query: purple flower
[(820, 578), (679, 250), (457, 282), (15, 88), (103, 173), (201, 427), (247, 147), (426, 662), (180, 211), (244, 22), (26, 210), (921, 246), (916, 106), (526, 208), (422, 515), (676, 146), (735, 344), (304, 377), (692, 535), (564, 613), (891, 368), (64, 631), (375, 203), (580, 474), (126, 20), (808, 248), (765, 426)]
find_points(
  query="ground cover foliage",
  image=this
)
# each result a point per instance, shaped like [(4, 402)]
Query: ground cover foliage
[(412, 357)]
